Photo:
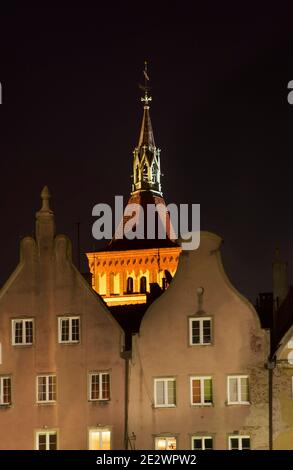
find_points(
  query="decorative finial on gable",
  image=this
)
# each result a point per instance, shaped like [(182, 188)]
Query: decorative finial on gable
[(45, 195)]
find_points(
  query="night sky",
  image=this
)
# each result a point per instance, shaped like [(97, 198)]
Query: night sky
[(71, 116)]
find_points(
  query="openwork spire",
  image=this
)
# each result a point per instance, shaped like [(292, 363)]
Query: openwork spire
[(146, 162)]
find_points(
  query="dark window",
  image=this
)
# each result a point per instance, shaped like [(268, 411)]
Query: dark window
[(129, 285), (143, 284)]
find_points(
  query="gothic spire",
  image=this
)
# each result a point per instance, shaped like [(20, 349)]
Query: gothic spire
[(146, 162)]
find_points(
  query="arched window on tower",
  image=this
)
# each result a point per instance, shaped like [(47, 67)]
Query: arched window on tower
[(154, 174), (145, 172), (112, 284), (143, 285), (129, 287), (136, 174)]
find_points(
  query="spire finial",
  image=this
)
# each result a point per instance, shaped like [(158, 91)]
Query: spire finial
[(146, 87), (45, 196)]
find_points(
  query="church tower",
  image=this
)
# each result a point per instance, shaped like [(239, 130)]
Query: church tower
[(126, 271)]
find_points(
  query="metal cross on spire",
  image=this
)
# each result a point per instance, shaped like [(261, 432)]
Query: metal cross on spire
[(146, 99)]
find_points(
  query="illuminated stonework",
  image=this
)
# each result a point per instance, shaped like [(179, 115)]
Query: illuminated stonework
[(126, 277)]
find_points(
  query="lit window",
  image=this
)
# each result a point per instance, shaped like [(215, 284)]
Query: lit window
[(201, 389), (239, 443), (165, 443), (202, 443), (165, 392), (200, 330), (46, 440), (46, 388), (22, 331), (99, 439), (69, 329), (238, 390), (99, 383), (5, 390)]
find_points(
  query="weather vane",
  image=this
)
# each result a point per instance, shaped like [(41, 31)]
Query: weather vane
[(146, 87)]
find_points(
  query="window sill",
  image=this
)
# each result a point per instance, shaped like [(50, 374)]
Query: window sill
[(202, 405), (46, 403), (4, 406), (68, 343), (245, 403), (20, 345), (99, 402), (162, 407)]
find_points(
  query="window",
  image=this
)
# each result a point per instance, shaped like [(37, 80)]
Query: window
[(239, 443), (22, 331), (46, 440), (200, 330), (165, 392), (99, 385), (114, 283), (143, 284), (46, 388), (69, 329), (99, 439), (238, 390), (165, 443), (129, 285), (5, 390), (202, 443), (201, 389)]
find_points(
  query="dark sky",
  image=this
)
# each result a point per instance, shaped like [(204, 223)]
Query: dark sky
[(71, 115)]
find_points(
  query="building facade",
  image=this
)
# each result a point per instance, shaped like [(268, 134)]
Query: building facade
[(61, 371), (198, 377)]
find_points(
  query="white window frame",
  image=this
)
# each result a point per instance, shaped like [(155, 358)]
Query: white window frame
[(165, 380), (200, 320), (166, 438), (47, 400), (239, 441), (201, 379), (100, 374), (239, 401), (70, 318), (202, 438), (23, 321), (47, 434), (2, 378)]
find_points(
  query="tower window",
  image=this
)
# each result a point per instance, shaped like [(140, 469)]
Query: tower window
[(143, 284), (145, 172), (129, 285)]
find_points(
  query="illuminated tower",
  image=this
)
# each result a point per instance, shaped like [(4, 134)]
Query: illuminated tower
[(127, 270)]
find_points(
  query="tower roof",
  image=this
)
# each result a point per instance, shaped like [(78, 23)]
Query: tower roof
[(146, 133), (146, 163)]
